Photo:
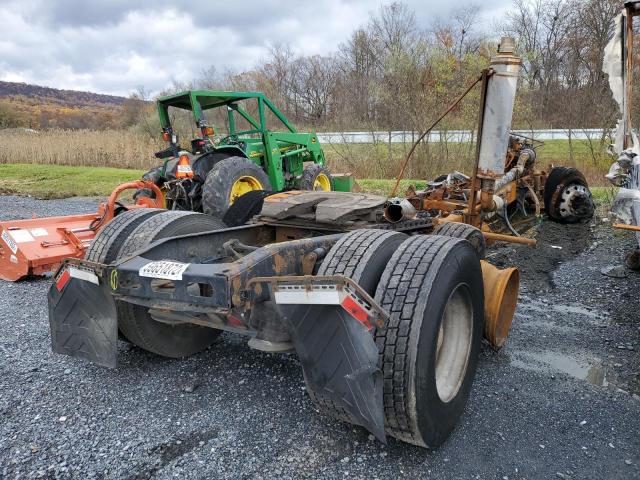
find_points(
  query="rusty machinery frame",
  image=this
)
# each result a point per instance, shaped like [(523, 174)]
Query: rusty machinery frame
[(482, 181), (505, 171)]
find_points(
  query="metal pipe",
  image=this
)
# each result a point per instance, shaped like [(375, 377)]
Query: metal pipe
[(472, 217), (500, 237), (398, 210), (497, 115), (516, 171), (622, 226), (628, 139)]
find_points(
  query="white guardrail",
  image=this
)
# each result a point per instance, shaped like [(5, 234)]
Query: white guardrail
[(456, 135)]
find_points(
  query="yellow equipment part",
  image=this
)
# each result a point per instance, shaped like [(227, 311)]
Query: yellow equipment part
[(500, 300)]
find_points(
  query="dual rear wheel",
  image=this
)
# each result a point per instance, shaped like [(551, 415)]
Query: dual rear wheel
[(567, 197), (131, 231), (428, 349)]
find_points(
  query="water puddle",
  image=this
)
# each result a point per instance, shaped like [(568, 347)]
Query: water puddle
[(536, 322), (597, 317), (581, 368)]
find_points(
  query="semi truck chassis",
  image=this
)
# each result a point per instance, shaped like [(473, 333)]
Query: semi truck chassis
[(296, 284)]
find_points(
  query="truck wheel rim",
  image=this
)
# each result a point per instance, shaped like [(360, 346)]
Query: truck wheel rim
[(322, 183), (242, 185), (574, 201), (453, 344)]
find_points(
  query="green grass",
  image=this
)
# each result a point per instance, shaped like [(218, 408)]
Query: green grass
[(552, 150), (54, 181), (384, 187)]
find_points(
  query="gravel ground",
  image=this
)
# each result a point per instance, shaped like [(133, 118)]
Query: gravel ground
[(559, 401)]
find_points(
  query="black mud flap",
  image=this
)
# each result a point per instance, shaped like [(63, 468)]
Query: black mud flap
[(84, 321), (340, 362)]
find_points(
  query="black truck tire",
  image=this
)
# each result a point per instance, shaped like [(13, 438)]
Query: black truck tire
[(465, 231), (361, 255), (107, 244), (221, 179), (561, 178), (134, 321), (433, 291), (315, 177)]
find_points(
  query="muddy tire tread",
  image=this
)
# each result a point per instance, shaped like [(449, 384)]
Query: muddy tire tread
[(466, 232), (349, 257)]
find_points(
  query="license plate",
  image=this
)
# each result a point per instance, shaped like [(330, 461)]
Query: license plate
[(164, 269)]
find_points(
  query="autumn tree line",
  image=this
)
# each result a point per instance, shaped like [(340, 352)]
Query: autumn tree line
[(393, 73), (396, 73)]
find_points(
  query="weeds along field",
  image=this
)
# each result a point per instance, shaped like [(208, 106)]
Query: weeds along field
[(130, 149)]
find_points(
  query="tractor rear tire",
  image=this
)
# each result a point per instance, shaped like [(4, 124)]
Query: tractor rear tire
[(433, 291), (560, 184), (134, 321), (361, 255), (317, 178), (465, 231), (227, 180), (107, 244)]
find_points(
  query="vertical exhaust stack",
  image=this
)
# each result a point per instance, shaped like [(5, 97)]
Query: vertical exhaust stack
[(496, 118)]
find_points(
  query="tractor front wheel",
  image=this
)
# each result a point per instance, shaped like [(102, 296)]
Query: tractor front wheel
[(228, 180), (317, 178)]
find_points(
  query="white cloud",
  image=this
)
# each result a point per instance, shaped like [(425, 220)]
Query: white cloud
[(114, 46)]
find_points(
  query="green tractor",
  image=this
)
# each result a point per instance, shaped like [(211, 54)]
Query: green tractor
[(218, 169)]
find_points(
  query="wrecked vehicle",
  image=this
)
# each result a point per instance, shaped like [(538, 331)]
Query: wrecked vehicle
[(625, 171), (562, 192), (385, 317)]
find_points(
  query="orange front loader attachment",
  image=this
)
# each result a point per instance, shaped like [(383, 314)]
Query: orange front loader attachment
[(37, 246)]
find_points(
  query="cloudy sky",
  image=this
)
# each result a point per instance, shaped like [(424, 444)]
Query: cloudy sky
[(115, 46)]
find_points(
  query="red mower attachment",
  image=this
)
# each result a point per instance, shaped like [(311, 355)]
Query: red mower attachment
[(37, 246)]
